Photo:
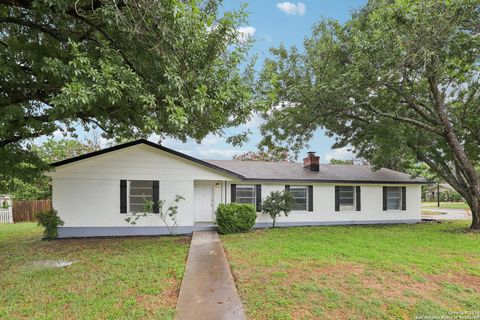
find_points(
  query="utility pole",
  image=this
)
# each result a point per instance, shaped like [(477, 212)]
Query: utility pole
[(438, 194)]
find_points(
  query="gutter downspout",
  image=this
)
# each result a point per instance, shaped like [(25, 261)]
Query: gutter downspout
[(225, 191)]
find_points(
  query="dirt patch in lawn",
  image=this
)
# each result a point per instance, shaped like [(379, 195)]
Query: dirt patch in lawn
[(345, 290), (465, 280), (167, 298)]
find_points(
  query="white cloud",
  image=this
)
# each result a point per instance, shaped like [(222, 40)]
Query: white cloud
[(342, 154), (289, 8), (217, 153), (58, 134), (245, 33), (211, 147), (211, 140), (253, 123)]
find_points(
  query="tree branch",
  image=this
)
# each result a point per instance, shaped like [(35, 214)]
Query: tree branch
[(30, 24)]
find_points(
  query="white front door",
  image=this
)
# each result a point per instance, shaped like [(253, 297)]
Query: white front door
[(204, 202)]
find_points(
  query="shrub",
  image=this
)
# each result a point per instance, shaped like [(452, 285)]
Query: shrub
[(450, 196), (235, 217), (50, 221), (276, 203)]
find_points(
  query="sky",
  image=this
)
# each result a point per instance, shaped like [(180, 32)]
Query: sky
[(272, 23)]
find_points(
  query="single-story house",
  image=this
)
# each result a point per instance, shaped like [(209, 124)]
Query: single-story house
[(95, 192), (435, 190)]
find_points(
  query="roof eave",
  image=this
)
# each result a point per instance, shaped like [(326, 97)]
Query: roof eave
[(334, 181)]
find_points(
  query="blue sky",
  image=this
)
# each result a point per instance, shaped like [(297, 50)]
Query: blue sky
[(272, 23)]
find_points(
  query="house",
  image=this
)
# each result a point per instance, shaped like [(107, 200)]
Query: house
[(435, 190), (94, 193)]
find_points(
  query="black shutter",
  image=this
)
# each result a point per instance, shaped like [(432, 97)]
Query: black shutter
[(233, 193), (258, 194), (384, 198), (123, 196), (310, 198), (358, 198), (404, 198), (287, 188), (337, 198), (155, 196)]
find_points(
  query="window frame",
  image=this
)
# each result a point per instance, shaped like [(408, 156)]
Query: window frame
[(306, 197), (353, 207), (129, 211), (254, 195), (400, 196)]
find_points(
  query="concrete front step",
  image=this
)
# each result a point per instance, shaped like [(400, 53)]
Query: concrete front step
[(204, 226)]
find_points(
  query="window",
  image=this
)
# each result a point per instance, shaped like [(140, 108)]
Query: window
[(245, 194), (346, 198), (139, 192), (394, 198), (300, 198)]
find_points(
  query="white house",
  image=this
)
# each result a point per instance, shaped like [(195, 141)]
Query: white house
[(94, 193)]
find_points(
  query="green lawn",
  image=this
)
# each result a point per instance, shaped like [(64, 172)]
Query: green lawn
[(123, 278), (446, 205), (357, 272)]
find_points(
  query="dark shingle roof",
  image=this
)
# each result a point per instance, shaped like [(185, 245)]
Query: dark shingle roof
[(290, 171), (275, 171)]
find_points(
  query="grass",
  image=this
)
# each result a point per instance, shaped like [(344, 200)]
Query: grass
[(432, 213), (446, 205), (357, 272), (117, 278)]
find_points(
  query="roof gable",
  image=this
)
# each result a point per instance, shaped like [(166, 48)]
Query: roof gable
[(150, 144)]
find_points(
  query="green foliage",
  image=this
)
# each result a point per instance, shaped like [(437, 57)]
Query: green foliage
[(398, 83), (167, 214), (129, 68), (340, 161), (56, 150), (450, 196), (280, 155), (276, 204), (235, 217), (36, 185), (50, 221)]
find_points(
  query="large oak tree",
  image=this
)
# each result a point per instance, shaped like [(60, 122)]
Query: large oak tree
[(130, 68), (398, 81)]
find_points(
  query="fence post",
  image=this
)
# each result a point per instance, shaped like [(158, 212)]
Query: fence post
[(10, 213)]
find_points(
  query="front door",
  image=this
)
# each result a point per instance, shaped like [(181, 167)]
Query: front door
[(204, 202)]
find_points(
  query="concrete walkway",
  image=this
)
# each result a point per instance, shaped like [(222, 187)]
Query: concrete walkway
[(208, 290)]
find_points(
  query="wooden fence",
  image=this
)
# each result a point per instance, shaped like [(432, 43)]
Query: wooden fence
[(25, 210)]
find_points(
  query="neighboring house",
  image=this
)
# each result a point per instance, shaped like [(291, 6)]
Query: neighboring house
[(94, 193), (6, 215), (431, 194)]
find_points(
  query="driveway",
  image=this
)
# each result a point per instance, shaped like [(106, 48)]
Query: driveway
[(448, 214)]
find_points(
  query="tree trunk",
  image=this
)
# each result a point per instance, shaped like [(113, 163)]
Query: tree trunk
[(475, 207)]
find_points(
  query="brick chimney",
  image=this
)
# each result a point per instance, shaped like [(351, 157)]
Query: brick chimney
[(311, 162)]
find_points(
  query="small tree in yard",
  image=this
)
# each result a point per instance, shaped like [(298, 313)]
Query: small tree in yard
[(50, 221), (168, 215), (276, 203)]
